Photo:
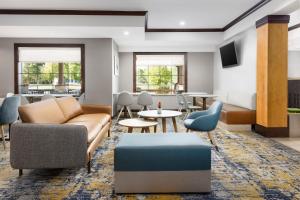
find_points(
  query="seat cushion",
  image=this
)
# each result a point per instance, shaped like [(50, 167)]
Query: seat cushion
[(162, 152), (93, 128), (46, 112), (188, 122), (93, 122), (101, 118), (69, 106)]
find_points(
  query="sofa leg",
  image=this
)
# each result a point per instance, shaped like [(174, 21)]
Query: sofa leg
[(89, 167), (20, 172), (108, 133)]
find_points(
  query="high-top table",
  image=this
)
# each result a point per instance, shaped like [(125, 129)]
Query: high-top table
[(192, 94), (163, 116), (204, 97)]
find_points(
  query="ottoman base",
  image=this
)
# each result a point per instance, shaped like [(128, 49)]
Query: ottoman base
[(162, 181)]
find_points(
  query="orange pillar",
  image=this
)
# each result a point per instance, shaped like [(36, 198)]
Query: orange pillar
[(272, 78)]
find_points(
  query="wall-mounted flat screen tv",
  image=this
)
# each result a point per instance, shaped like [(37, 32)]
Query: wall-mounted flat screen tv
[(228, 55)]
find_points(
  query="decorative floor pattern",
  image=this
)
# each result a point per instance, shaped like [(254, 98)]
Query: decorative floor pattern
[(248, 166)]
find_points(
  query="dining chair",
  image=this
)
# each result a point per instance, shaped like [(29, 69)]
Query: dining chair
[(205, 121), (183, 103), (125, 100), (23, 99), (81, 99), (47, 96), (10, 94), (8, 113), (145, 100)]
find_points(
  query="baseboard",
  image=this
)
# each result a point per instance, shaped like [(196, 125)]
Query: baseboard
[(272, 131), (234, 127)]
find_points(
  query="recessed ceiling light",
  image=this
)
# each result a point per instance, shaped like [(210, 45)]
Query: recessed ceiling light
[(126, 32), (182, 23)]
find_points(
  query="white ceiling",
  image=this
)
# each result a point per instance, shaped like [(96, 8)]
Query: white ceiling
[(162, 13)]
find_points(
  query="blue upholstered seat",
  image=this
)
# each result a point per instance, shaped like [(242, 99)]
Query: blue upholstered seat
[(205, 121), (162, 152), (8, 113), (9, 110)]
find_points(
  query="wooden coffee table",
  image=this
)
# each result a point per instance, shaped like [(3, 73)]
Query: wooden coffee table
[(164, 115), (138, 123)]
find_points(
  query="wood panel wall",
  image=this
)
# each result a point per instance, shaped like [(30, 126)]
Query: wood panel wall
[(272, 88)]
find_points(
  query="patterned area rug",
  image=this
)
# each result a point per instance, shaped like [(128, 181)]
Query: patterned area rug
[(248, 166)]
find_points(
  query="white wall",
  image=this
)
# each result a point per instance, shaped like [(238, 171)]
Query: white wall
[(240, 79), (98, 66), (294, 64)]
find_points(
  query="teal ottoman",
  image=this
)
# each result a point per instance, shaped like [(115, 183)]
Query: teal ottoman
[(162, 163)]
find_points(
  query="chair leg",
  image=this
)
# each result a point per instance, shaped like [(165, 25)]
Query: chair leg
[(89, 167), (2, 135), (120, 113), (187, 114), (20, 172), (212, 141), (129, 111)]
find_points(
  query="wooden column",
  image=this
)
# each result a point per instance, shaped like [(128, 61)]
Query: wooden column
[(272, 78)]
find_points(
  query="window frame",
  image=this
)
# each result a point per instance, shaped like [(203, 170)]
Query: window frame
[(135, 54), (48, 45)]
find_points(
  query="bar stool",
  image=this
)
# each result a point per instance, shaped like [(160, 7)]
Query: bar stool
[(125, 100), (145, 100)]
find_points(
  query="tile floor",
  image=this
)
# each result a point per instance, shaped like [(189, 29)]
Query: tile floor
[(293, 143)]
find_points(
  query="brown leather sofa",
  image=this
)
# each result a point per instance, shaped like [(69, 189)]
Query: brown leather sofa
[(58, 133)]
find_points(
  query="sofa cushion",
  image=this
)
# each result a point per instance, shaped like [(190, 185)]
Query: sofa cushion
[(99, 117), (92, 127), (46, 112), (93, 122), (69, 106)]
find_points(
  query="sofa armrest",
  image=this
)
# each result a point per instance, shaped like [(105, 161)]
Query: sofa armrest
[(91, 109), (35, 146)]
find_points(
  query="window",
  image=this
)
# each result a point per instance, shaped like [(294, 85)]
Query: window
[(161, 73), (49, 69)]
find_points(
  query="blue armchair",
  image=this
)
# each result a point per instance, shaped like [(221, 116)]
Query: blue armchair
[(205, 121), (8, 113)]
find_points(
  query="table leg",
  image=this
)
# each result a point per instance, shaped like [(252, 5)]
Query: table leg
[(130, 129), (174, 124), (143, 130), (147, 130), (164, 124), (204, 103), (194, 101)]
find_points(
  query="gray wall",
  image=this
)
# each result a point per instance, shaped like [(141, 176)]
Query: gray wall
[(200, 72), (98, 66)]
